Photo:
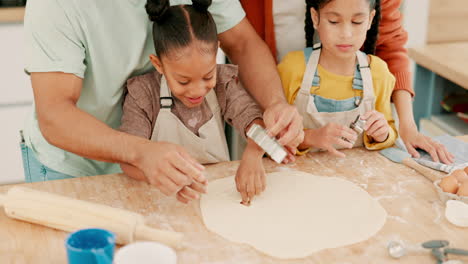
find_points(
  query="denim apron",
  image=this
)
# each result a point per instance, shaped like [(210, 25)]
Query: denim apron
[(309, 108), (210, 146)]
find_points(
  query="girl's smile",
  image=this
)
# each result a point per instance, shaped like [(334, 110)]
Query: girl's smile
[(196, 101)]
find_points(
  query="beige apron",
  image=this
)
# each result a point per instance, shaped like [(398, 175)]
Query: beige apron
[(305, 100), (209, 147)]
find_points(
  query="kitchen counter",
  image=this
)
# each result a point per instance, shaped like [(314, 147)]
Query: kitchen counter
[(415, 214)]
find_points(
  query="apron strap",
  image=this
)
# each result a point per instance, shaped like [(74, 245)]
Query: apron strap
[(368, 86), (212, 100), (165, 98), (311, 68)]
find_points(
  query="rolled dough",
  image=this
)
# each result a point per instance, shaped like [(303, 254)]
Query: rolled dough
[(297, 215)]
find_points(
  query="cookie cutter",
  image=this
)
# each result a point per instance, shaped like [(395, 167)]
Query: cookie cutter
[(270, 145), (358, 125)]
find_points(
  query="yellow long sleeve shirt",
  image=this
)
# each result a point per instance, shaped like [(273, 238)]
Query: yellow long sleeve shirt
[(339, 87)]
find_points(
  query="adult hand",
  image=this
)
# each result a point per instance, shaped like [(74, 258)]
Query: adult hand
[(170, 168), (283, 121), (413, 139)]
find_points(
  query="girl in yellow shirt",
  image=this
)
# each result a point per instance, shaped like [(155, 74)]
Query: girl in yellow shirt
[(334, 83)]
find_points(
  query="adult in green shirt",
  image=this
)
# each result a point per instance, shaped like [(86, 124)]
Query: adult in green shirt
[(80, 54)]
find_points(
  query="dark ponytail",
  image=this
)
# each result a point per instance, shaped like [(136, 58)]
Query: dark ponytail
[(177, 26), (309, 25), (201, 5), (372, 33)]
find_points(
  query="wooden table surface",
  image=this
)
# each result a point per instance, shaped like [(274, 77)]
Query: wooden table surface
[(415, 214), (449, 60)]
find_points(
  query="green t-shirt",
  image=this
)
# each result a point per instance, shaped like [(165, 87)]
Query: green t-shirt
[(105, 42)]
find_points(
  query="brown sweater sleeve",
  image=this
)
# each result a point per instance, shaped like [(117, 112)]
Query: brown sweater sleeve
[(390, 44), (237, 106), (140, 108)]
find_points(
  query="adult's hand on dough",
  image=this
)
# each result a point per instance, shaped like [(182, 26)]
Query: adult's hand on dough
[(169, 167)]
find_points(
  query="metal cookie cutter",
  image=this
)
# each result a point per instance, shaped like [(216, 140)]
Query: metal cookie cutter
[(267, 143), (358, 125)]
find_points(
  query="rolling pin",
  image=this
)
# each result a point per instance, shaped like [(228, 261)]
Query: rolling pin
[(69, 214)]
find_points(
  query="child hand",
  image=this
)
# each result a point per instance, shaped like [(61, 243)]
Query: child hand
[(191, 192), (329, 136), (250, 176), (376, 125)]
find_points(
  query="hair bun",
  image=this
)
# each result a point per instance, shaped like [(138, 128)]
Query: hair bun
[(157, 9), (201, 5)]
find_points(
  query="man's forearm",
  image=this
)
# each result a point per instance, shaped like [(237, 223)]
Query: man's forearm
[(257, 68), (68, 127)]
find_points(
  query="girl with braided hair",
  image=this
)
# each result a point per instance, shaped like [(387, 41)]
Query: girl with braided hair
[(333, 83), (183, 105)]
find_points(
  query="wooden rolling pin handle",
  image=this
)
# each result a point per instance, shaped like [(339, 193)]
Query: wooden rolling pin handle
[(428, 173), (170, 238)]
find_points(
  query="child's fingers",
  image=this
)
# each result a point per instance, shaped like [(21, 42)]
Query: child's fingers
[(245, 197), (259, 185), (290, 153), (348, 133), (343, 143), (189, 193), (197, 186), (251, 190), (263, 181), (370, 120), (377, 125), (335, 152), (382, 131), (182, 199)]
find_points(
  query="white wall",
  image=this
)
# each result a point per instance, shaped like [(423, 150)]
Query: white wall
[(15, 99), (416, 14)]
